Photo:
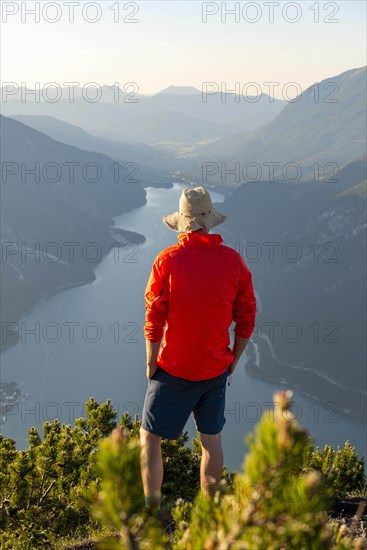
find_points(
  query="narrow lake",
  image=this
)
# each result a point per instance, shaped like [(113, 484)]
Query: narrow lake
[(99, 350)]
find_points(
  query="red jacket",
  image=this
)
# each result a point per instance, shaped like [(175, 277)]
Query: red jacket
[(197, 288)]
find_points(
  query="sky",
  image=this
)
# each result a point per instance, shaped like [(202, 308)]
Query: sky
[(182, 43)]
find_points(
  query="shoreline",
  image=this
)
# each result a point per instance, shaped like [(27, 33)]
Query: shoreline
[(257, 373), (117, 236), (308, 385)]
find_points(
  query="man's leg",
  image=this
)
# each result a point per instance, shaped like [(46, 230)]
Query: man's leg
[(151, 464), (211, 463)]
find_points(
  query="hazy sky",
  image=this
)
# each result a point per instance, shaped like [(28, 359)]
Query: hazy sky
[(170, 43)]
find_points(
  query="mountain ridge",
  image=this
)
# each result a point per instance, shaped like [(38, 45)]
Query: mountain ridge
[(305, 132)]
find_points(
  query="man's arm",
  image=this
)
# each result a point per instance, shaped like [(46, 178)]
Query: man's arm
[(156, 305), (238, 349), (244, 314), (152, 354)]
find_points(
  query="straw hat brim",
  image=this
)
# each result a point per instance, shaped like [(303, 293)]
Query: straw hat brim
[(181, 224)]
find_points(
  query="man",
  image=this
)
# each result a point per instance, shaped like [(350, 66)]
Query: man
[(196, 289)]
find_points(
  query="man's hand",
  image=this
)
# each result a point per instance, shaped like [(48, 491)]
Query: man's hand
[(152, 355), (238, 348), (151, 370)]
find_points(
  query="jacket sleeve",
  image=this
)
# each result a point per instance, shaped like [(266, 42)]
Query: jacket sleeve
[(244, 305), (156, 304)]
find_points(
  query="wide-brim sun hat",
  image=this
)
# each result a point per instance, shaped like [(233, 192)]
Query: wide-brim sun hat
[(195, 211)]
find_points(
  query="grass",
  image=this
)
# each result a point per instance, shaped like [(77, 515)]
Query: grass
[(358, 493), (94, 535)]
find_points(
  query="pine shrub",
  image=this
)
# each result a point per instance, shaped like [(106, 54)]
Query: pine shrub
[(76, 478)]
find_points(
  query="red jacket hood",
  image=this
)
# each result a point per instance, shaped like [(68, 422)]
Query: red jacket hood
[(200, 239)]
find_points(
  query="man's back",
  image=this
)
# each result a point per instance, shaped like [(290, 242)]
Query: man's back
[(197, 288)]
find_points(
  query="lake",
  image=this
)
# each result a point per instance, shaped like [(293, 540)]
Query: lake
[(92, 344)]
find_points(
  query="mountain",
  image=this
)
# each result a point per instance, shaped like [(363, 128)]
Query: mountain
[(158, 118), (322, 130), (229, 110), (162, 126), (306, 247), (153, 164), (179, 90), (57, 205), (105, 93)]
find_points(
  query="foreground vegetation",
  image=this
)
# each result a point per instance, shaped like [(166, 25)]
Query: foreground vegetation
[(84, 481)]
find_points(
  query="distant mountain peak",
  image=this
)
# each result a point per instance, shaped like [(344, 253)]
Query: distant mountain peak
[(179, 90)]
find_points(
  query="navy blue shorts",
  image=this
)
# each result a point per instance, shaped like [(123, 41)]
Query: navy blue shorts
[(170, 400)]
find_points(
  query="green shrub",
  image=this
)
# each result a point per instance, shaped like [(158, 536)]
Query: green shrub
[(42, 487), (75, 478), (342, 470), (272, 504)]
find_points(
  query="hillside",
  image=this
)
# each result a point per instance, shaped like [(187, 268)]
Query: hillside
[(55, 225), (306, 247), (326, 128), (153, 164)]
